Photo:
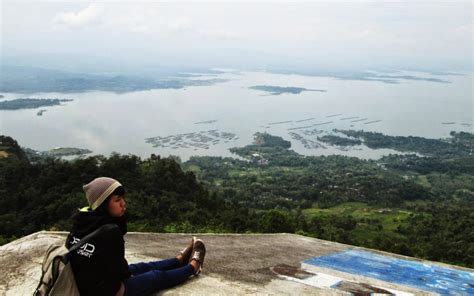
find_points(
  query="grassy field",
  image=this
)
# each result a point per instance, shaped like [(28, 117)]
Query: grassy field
[(371, 221)]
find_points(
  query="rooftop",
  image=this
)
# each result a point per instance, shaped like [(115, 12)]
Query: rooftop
[(259, 264)]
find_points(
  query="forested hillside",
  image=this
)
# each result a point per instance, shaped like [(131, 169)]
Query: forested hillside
[(413, 204), (394, 204), (160, 196)]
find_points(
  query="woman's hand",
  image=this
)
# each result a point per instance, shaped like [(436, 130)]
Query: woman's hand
[(121, 291)]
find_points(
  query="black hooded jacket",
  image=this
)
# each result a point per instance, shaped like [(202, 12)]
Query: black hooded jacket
[(100, 265)]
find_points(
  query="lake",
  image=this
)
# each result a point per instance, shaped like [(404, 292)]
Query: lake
[(106, 122)]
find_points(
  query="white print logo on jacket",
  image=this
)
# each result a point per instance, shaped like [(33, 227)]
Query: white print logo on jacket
[(86, 250)]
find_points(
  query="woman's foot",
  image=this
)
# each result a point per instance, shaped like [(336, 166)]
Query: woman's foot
[(197, 256), (185, 254)]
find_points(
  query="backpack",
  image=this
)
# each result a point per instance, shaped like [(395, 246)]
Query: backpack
[(57, 277)]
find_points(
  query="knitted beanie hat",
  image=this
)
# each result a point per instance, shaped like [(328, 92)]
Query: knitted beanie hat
[(99, 189)]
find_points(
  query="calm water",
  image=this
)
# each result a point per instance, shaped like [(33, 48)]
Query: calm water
[(105, 122)]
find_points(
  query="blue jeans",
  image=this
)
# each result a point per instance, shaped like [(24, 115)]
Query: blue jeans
[(150, 277)]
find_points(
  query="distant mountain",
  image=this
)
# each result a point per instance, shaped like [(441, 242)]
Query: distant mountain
[(30, 103), (31, 79), (384, 76), (278, 90)]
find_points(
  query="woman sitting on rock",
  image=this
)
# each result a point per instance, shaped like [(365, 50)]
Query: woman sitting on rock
[(100, 267)]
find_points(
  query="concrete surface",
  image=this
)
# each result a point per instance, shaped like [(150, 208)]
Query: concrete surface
[(260, 264)]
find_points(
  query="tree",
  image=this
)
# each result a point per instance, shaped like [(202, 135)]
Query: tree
[(276, 221)]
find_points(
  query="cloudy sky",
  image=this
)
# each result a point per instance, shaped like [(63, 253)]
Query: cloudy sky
[(325, 34)]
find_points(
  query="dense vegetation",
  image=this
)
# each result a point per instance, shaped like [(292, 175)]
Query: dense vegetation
[(339, 141), (460, 143), (160, 196), (405, 204), (419, 210)]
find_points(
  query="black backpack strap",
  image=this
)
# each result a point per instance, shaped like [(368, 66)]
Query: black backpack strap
[(87, 238)]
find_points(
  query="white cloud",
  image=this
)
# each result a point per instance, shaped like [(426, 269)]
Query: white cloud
[(221, 34), (465, 30), (140, 28), (181, 23), (281, 31), (185, 24), (88, 16)]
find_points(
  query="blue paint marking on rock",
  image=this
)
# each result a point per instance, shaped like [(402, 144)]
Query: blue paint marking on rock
[(428, 277)]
